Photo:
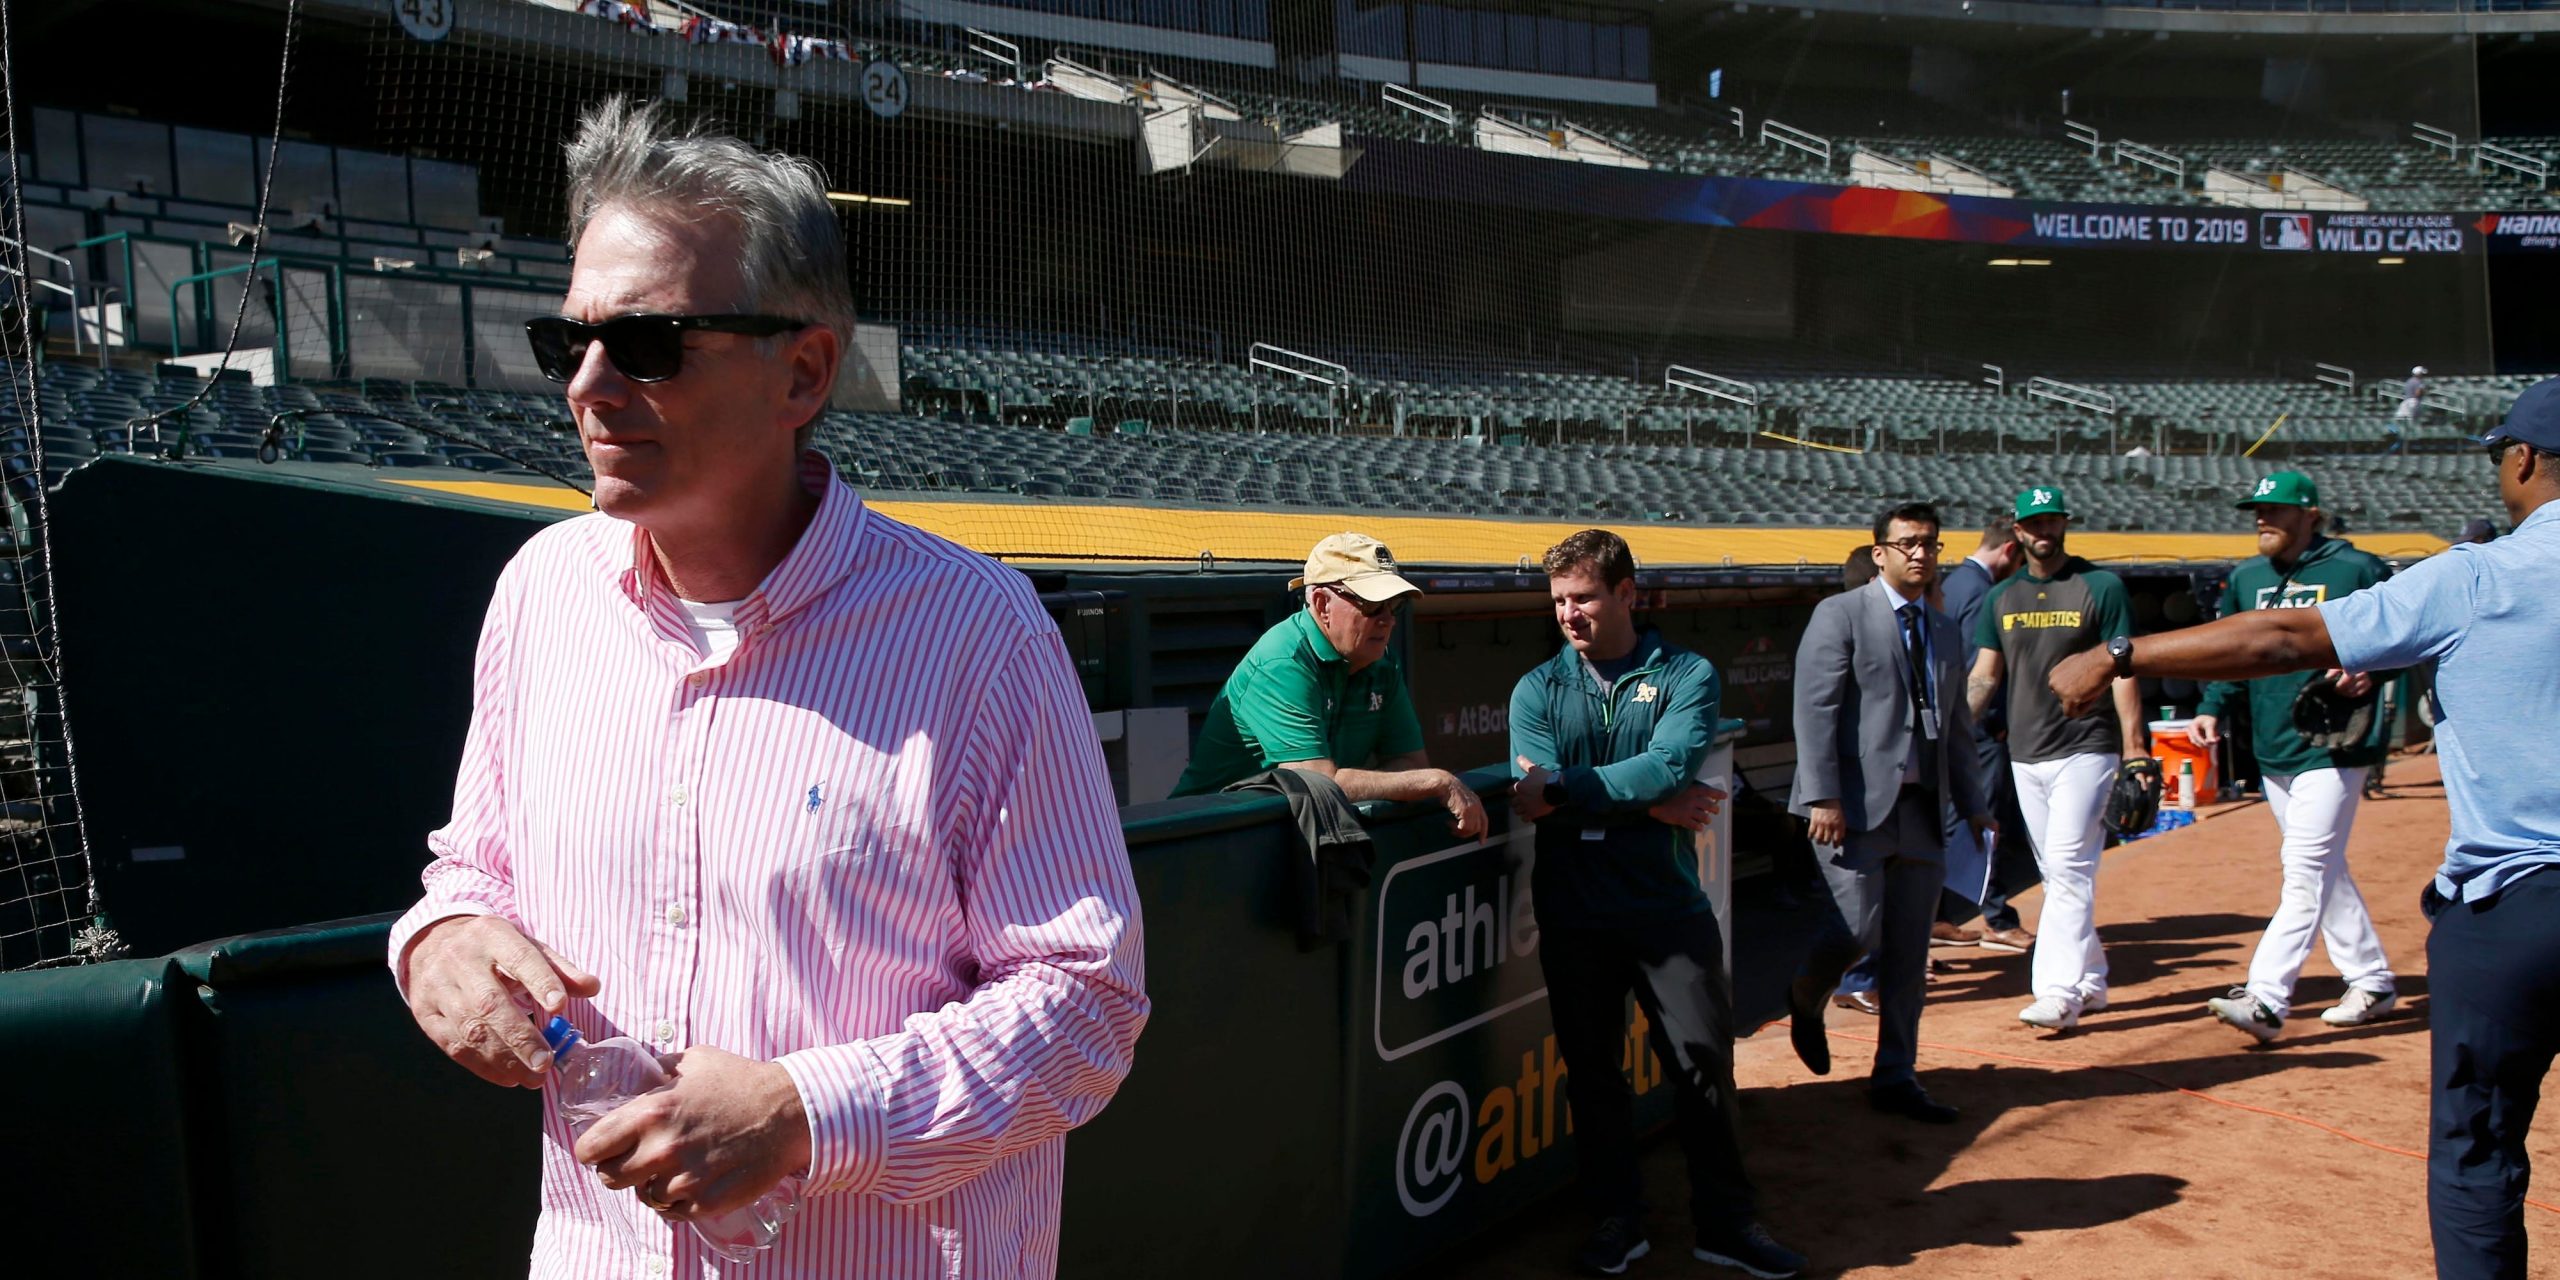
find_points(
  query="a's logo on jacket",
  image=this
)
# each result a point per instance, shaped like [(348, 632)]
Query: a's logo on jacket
[(1646, 692)]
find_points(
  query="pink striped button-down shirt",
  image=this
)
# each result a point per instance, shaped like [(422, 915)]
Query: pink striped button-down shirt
[(875, 843)]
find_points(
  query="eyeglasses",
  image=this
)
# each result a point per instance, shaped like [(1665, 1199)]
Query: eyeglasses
[(1367, 608), (1915, 548), (2497, 448), (646, 348)]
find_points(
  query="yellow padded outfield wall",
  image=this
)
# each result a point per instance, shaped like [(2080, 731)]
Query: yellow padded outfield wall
[(1038, 531)]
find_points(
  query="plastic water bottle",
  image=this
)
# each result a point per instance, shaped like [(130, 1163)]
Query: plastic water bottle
[(594, 1077)]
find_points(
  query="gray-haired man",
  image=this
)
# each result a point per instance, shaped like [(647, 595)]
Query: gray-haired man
[(805, 799)]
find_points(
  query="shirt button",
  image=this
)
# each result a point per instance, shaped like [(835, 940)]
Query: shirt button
[(657, 1266), (666, 1031), (675, 913), (697, 679), (678, 794)]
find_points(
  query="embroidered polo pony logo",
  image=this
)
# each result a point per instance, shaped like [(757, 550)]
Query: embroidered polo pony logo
[(815, 799)]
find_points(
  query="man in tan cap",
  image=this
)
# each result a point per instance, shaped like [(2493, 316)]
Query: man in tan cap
[(1318, 692)]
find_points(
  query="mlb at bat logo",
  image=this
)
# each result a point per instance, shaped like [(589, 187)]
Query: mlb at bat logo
[(2284, 231)]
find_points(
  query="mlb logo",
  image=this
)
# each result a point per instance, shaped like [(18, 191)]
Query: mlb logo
[(2284, 231)]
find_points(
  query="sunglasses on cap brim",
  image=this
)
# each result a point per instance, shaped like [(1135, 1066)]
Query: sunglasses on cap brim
[(646, 348)]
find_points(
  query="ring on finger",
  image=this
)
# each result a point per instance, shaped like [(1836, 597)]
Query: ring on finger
[(654, 1203)]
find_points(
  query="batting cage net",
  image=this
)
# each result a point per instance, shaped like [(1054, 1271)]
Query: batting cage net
[(1134, 304), (1202, 281)]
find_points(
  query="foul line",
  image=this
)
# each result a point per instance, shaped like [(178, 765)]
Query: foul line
[(2192, 1093)]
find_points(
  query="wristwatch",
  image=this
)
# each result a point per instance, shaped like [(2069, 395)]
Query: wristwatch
[(1554, 794), (2121, 649)]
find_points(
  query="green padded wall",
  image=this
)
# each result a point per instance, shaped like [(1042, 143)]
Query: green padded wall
[(98, 1177), (329, 1119)]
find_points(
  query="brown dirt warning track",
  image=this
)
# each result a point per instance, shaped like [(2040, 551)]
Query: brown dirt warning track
[(2078, 1154)]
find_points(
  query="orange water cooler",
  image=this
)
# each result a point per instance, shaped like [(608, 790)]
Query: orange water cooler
[(2171, 747)]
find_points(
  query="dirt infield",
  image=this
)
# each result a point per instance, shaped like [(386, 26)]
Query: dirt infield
[(2077, 1156)]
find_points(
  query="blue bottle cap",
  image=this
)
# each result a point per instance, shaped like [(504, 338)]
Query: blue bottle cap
[(559, 1035)]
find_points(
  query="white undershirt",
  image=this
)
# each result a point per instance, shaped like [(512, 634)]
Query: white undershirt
[(714, 626)]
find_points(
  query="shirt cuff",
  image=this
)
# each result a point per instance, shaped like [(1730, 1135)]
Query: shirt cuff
[(840, 1093), (406, 929)]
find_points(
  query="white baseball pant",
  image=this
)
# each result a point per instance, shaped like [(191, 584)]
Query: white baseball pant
[(2314, 810), (2065, 804)]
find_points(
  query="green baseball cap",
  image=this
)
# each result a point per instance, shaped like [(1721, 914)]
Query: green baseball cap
[(2283, 489), (2042, 500)]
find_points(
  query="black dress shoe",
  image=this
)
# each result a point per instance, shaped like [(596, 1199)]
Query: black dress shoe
[(1804, 1028), (1908, 1099)]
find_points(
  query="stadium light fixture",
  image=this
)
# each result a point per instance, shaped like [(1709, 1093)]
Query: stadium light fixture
[(2388, 262), (856, 197), (2004, 262), (2035, 262)]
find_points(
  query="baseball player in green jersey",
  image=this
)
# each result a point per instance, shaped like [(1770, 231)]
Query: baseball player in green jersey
[(2311, 787), (2055, 607)]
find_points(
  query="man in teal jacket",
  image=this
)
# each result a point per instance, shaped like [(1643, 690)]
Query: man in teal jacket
[(1608, 739), (2311, 789)]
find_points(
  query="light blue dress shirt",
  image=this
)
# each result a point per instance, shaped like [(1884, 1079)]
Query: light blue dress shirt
[(2489, 614)]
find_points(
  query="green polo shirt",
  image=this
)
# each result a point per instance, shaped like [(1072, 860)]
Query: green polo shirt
[(1295, 698)]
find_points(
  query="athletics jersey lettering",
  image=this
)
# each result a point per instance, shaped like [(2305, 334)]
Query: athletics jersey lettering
[(2040, 618), (2292, 595)]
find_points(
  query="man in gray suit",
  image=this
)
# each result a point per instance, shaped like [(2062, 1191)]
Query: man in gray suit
[(1884, 751)]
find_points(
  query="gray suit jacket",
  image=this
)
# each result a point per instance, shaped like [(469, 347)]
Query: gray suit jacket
[(1853, 715)]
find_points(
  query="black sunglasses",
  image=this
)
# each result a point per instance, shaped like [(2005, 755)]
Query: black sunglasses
[(1367, 608), (646, 348), (2497, 447)]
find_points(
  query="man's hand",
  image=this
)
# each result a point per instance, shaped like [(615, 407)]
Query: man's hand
[(2204, 731), (1986, 827), (1690, 809), (1823, 822), (2352, 684), (723, 1131), (2079, 680), (1466, 812), (465, 973), (1529, 794)]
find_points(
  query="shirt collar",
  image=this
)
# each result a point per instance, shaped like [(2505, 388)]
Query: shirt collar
[(823, 557), (1313, 637), (1893, 599), (1987, 570)]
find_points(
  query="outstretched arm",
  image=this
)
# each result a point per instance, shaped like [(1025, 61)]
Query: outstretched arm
[(2261, 642)]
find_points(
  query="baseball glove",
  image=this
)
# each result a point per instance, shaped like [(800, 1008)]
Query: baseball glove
[(2133, 804), (2326, 718)]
